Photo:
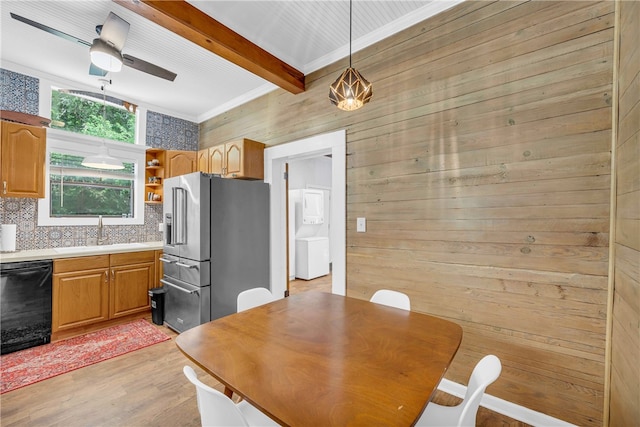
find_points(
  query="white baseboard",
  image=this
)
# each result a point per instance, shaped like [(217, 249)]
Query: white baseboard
[(505, 407)]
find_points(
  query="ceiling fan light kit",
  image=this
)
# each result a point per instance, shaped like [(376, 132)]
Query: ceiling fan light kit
[(105, 56), (102, 160), (106, 51), (350, 91)]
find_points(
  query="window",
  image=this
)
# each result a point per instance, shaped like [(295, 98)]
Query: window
[(76, 195), (82, 121), (94, 114), (78, 191)]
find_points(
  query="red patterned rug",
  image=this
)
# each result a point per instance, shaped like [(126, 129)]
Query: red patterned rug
[(35, 364)]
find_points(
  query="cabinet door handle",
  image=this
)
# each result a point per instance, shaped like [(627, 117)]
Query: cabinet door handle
[(4, 187), (113, 275), (106, 276)]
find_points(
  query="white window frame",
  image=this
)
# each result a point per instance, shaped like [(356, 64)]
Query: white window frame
[(60, 141)]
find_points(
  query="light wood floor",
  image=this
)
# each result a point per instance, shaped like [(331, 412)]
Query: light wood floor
[(142, 388)]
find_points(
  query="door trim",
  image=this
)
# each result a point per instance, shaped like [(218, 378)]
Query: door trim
[(276, 157)]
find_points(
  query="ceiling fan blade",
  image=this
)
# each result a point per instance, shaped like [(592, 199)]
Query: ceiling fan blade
[(147, 67), (49, 30), (94, 70), (114, 31)]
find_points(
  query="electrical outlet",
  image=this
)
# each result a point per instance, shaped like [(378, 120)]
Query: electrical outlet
[(160, 226), (361, 225)]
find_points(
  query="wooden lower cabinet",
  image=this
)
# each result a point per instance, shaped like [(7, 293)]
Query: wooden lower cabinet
[(93, 290), (80, 292), (132, 275), (159, 270)]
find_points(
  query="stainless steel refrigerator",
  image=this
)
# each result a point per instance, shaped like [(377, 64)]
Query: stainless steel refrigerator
[(216, 244)]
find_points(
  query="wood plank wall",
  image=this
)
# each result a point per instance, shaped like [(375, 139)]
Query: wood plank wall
[(624, 408), (483, 167)]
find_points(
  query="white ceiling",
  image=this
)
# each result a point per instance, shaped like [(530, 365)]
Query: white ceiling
[(306, 34)]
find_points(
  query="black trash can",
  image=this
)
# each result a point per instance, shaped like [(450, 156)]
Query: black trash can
[(157, 305)]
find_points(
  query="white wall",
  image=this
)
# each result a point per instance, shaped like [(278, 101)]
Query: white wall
[(313, 173)]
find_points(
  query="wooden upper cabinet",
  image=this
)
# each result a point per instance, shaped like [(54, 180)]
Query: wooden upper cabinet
[(242, 159), (23, 152), (179, 162), (216, 159), (203, 160)]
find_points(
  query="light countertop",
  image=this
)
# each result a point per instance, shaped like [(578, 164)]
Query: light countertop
[(71, 252)]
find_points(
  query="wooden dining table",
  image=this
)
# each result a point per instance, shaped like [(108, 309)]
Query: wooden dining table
[(320, 359)]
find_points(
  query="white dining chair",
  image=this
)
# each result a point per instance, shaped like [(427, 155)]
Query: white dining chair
[(392, 299), (253, 298), (216, 409), (486, 371)]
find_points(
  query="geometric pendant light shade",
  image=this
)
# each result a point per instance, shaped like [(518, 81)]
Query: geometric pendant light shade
[(350, 91)]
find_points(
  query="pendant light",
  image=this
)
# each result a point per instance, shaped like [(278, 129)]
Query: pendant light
[(350, 91), (103, 160)]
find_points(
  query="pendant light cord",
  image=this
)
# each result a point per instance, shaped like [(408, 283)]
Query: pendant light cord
[(104, 105), (350, 29)]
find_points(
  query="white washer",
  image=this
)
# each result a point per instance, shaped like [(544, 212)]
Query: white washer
[(312, 257)]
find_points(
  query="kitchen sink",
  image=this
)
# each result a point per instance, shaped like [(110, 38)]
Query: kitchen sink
[(115, 246)]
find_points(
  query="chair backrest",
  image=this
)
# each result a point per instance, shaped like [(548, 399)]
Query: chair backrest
[(392, 299), (487, 370), (215, 408), (253, 298)]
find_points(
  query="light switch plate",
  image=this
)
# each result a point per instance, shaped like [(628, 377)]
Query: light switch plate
[(361, 225)]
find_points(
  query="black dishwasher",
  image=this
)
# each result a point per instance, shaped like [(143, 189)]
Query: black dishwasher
[(25, 304)]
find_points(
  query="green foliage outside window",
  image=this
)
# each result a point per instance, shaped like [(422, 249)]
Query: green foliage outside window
[(78, 191), (86, 116)]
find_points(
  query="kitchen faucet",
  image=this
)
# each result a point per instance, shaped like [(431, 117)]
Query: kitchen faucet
[(100, 240)]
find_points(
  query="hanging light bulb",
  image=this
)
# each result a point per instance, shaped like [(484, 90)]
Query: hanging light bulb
[(350, 91), (103, 160)]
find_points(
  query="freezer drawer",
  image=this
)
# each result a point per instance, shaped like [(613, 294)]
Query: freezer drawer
[(197, 273), (186, 306)]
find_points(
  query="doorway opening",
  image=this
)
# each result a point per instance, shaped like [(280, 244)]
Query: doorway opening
[(276, 159)]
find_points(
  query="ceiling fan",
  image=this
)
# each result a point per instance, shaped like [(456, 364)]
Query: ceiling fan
[(106, 50)]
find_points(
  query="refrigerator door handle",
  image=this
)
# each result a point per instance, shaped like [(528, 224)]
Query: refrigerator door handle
[(179, 229), (168, 261), (178, 287), (174, 210)]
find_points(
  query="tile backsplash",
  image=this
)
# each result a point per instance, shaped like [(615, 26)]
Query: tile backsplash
[(171, 133), (19, 92), (24, 213)]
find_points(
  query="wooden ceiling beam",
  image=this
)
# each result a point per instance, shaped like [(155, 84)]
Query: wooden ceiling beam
[(196, 26)]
